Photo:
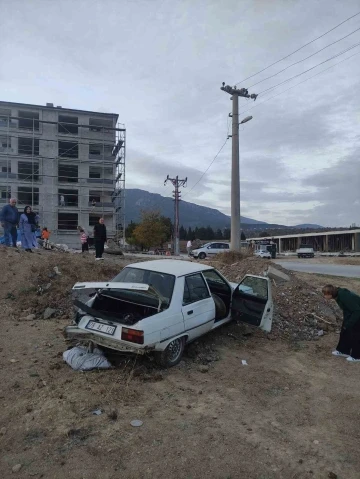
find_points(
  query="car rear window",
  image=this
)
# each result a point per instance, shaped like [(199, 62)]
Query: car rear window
[(162, 282)]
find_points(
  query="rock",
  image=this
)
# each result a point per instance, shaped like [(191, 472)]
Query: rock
[(320, 332), (316, 442), (3, 431), (30, 317), (332, 475), (49, 313), (203, 369), (17, 468), (13, 360)]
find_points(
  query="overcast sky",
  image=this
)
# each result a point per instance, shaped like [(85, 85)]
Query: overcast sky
[(159, 64)]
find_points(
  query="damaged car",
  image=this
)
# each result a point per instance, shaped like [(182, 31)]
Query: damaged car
[(160, 306)]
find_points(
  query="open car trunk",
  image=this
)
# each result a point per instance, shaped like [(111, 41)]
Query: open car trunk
[(126, 304)]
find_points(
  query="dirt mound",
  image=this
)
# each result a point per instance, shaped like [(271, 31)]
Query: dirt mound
[(300, 309), (30, 283)]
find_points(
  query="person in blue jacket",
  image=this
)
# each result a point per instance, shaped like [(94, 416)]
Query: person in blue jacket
[(349, 302), (28, 225), (9, 218)]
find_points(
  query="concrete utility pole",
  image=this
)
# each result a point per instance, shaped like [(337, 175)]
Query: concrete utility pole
[(177, 198), (235, 165)]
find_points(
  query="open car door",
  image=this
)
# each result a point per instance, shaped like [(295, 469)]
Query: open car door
[(252, 302)]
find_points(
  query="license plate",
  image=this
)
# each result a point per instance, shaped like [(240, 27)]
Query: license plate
[(101, 327)]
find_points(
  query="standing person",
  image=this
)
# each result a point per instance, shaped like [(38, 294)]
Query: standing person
[(62, 200), (349, 302), (28, 225), (45, 236), (188, 247), (83, 240), (100, 239), (9, 218)]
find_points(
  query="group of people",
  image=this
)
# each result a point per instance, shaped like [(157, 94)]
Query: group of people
[(28, 223), (349, 302)]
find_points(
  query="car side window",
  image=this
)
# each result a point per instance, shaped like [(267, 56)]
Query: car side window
[(226, 246), (214, 246), (195, 289)]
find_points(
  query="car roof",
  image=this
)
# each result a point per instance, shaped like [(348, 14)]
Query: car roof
[(176, 267)]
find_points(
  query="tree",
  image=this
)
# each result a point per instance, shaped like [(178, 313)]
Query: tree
[(227, 234), (264, 234), (182, 233), (209, 235), (218, 234), (243, 237), (153, 230)]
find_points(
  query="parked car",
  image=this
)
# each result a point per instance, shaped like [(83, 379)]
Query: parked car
[(263, 254), (210, 249), (305, 251), (160, 306)]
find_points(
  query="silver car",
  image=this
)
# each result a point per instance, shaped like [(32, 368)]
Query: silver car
[(210, 249)]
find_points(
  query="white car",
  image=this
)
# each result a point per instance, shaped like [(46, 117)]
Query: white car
[(210, 249), (160, 306), (263, 254)]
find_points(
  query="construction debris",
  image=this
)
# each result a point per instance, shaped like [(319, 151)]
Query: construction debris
[(299, 311)]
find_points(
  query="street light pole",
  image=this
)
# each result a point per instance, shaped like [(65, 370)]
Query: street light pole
[(235, 241)]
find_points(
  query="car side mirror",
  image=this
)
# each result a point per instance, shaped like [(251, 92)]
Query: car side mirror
[(209, 247)]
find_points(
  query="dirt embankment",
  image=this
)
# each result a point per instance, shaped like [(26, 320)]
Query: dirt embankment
[(300, 312)]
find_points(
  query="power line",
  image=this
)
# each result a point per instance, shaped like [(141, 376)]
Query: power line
[(312, 68), (306, 58), (207, 169), (303, 46), (303, 81)]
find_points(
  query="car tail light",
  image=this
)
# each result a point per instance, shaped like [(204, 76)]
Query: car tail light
[(132, 335)]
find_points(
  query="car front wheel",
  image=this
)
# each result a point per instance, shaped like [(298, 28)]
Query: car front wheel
[(172, 354), (202, 256)]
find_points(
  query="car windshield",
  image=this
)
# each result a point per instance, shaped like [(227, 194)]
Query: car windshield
[(161, 282)]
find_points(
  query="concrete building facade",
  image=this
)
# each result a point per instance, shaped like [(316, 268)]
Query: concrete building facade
[(68, 164)]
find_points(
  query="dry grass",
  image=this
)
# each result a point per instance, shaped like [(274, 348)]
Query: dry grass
[(231, 257)]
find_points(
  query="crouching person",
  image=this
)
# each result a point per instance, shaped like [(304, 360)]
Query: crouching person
[(349, 302)]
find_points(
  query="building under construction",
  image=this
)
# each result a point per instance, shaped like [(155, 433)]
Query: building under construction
[(69, 165)]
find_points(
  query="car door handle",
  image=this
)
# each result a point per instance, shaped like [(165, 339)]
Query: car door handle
[(190, 312)]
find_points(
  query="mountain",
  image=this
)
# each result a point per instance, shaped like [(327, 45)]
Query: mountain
[(308, 226), (191, 215)]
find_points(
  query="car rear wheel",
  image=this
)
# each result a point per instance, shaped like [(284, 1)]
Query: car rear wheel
[(202, 256), (172, 354)]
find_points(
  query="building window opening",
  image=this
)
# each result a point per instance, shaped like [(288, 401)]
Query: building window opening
[(68, 149), (67, 221), (100, 124), (29, 120), (68, 125), (68, 197), (28, 196), (28, 170), (28, 146), (68, 173)]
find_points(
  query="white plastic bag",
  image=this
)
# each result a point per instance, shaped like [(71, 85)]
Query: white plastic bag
[(81, 360)]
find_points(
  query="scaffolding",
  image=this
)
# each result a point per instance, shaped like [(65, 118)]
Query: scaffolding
[(71, 173)]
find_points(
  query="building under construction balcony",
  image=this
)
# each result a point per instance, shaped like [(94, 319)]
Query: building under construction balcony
[(69, 165)]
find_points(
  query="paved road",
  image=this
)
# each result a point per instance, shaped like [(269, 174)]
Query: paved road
[(348, 271)]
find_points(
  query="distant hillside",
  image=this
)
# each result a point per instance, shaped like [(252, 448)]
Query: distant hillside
[(191, 215)]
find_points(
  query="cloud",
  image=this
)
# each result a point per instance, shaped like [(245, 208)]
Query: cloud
[(162, 71)]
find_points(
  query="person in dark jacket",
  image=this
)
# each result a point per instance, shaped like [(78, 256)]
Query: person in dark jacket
[(349, 302), (100, 239), (9, 218)]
